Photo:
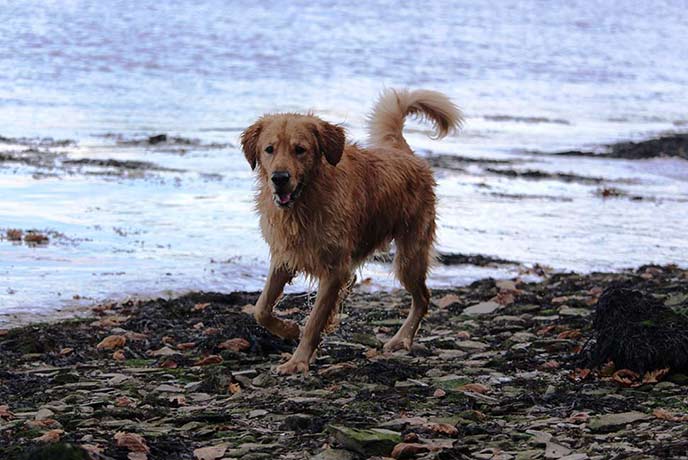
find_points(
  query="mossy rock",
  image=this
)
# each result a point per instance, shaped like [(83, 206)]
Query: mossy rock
[(369, 442), (59, 451)]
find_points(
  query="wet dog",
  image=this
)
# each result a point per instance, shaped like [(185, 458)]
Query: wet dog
[(325, 205)]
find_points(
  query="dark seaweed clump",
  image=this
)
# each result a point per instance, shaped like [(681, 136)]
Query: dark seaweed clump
[(637, 331)]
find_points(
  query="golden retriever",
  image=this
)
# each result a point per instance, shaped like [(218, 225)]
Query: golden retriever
[(325, 205)]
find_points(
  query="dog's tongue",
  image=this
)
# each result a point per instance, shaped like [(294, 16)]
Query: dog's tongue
[(284, 198)]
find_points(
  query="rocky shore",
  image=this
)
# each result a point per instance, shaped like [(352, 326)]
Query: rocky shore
[(499, 371)]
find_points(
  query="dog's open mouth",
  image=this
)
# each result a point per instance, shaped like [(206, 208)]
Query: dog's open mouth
[(286, 199)]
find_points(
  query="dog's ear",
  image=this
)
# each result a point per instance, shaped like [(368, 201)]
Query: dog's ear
[(331, 140), (249, 142)]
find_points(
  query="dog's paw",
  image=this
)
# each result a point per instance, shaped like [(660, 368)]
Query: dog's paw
[(398, 343), (293, 366)]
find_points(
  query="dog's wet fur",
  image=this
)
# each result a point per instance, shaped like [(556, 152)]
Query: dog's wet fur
[(326, 205)]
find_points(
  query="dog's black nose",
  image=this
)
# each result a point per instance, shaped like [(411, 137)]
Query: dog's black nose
[(280, 178)]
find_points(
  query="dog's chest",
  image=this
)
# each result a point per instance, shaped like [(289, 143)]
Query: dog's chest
[(298, 243)]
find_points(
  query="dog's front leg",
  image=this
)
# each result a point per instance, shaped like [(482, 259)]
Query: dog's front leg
[(277, 278), (327, 298)]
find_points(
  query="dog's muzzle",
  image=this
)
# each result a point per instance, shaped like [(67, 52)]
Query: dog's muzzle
[(286, 199)]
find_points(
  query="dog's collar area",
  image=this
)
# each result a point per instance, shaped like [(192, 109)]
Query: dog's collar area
[(286, 200)]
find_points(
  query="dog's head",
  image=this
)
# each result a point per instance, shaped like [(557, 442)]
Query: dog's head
[(288, 150)]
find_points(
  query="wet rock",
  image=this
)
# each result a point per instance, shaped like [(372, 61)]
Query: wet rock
[(471, 345), (369, 442), (637, 331), (613, 422), (303, 422), (482, 308), (675, 145), (334, 454)]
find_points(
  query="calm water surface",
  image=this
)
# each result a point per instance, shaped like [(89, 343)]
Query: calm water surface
[(529, 75)]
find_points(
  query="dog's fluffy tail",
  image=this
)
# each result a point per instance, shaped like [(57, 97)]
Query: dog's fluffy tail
[(386, 123)]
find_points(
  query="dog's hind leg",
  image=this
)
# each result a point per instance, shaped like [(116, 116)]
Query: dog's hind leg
[(277, 278), (411, 263)]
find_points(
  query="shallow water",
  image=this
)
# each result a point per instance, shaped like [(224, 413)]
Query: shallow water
[(529, 75)]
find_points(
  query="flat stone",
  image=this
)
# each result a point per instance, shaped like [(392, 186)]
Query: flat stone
[(482, 308), (565, 310), (507, 285), (165, 388), (334, 454), (471, 345), (375, 441), (43, 414), (613, 422)]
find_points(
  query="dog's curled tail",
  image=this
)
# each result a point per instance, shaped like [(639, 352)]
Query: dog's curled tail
[(386, 123)]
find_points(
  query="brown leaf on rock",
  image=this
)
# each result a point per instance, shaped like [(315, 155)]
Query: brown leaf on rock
[(626, 377), (579, 374), (463, 335), (237, 344), (200, 306), (209, 360), (234, 388), (211, 331), (186, 345), (475, 388), (41, 424), (124, 401), (371, 353), (179, 400), (505, 297), (570, 334), (335, 369), (439, 393), (109, 321), (169, 364), (664, 414), (579, 417), (545, 330), (132, 441), (5, 412), (111, 342), (119, 355), (66, 351), (210, 453), (655, 376), (443, 428), (447, 300), (50, 436), (409, 450), (551, 364), (135, 336)]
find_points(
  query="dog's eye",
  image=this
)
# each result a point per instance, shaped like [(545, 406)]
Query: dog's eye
[(299, 150), (269, 149)]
